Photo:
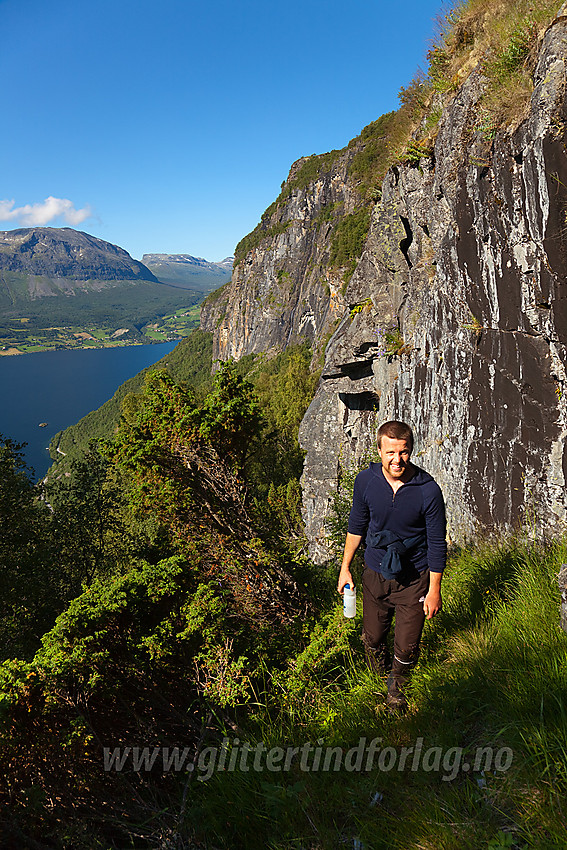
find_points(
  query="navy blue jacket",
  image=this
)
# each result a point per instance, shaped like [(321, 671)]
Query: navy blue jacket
[(416, 507)]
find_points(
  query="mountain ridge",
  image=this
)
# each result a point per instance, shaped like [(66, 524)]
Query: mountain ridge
[(189, 272)]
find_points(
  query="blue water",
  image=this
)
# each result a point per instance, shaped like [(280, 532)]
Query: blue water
[(60, 387)]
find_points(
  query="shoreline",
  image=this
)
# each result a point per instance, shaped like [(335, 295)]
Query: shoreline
[(14, 352)]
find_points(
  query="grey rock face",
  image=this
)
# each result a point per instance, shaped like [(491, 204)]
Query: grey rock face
[(455, 319), (283, 291), (465, 266)]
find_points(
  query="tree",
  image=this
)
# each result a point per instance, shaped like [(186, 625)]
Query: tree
[(27, 591)]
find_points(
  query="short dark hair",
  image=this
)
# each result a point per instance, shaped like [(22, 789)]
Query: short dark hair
[(395, 431)]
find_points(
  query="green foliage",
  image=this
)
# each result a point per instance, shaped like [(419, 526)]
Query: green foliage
[(372, 158), (439, 64), (230, 415), (327, 213), (347, 241), (516, 50), (88, 526), (360, 308), (285, 387), (55, 541), (29, 586), (415, 152), (296, 689), (284, 279), (312, 169)]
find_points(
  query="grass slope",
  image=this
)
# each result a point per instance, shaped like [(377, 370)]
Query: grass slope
[(479, 761)]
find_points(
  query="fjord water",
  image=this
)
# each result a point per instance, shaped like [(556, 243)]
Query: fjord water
[(60, 387)]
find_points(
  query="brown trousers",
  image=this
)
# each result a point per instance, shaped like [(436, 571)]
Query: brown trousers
[(381, 599)]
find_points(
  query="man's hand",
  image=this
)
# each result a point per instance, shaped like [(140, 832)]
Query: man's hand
[(351, 545), (345, 577), (432, 603)]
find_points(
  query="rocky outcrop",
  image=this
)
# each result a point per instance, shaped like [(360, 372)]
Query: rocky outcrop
[(454, 320), (53, 260)]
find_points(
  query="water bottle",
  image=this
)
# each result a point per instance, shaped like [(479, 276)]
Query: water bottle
[(349, 601)]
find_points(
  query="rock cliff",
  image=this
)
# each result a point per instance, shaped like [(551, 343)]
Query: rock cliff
[(283, 287), (455, 318)]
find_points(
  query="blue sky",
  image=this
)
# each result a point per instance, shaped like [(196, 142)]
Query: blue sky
[(169, 126)]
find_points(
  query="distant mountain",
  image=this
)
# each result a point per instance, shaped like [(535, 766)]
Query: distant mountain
[(227, 263), (39, 262), (63, 278), (188, 272)]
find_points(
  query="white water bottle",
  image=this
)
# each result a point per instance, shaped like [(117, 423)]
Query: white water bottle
[(349, 600)]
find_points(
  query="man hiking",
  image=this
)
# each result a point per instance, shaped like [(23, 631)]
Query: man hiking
[(398, 509)]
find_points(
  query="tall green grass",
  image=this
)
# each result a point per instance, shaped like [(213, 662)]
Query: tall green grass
[(493, 673)]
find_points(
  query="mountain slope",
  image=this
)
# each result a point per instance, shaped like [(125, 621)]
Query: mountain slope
[(58, 283), (189, 272), (40, 262)]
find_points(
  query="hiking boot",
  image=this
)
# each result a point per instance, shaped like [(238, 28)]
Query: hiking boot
[(397, 683), (396, 701)]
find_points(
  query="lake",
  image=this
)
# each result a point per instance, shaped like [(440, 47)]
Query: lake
[(60, 387)]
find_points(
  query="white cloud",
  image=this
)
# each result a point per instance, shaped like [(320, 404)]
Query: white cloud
[(38, 215)]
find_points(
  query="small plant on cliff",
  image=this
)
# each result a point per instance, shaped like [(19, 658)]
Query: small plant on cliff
[(522, 41), (475, 326), (391, 343), (416, 151), (359, 308)]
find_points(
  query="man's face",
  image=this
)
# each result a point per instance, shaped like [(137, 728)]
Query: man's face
[(395, 455)]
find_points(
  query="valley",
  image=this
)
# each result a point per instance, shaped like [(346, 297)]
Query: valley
[(22, 338), (65, 289)]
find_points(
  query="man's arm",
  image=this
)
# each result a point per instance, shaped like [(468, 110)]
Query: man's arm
[(351, 545), (436, 527), (432, 602)]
